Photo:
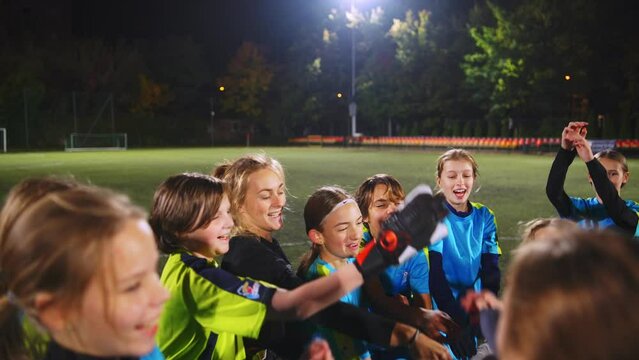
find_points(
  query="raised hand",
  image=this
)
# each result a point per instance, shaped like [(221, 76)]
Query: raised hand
[(583, 149), (573, 131)]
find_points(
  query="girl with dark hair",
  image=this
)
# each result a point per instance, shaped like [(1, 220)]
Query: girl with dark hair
[(334, 226)]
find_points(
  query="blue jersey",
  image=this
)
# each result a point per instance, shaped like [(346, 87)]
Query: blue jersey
[(468, 238), (409, 276), (342, 346), (470, 244), (591, 214)]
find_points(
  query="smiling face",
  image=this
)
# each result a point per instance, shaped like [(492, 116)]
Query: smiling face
[(383, 203), (213, 239), (261, 212), (341, 233), (119, 313), (456, 182), (616, 174)]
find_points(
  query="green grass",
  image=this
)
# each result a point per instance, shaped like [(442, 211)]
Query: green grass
[(511, 184)]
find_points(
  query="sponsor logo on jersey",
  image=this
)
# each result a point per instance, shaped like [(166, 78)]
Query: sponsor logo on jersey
[(250, 290)]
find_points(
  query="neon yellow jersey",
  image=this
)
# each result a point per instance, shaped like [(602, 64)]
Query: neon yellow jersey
[(209, 310)]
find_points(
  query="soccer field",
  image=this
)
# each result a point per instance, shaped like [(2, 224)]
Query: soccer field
[(512, 185)]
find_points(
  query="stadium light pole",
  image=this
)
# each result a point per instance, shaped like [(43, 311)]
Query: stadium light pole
[(220, 89), (352, 106)]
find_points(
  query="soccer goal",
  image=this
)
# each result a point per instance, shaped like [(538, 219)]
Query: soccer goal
[(89, 142), (3, 139)]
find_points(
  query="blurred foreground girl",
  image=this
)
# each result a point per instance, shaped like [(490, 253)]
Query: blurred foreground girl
[(81, 263)]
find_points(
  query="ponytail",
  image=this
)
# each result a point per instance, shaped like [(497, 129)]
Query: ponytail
[(307, 259), (15, 342)]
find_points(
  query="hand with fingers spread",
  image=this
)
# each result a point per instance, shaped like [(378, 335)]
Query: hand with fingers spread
[(434, 322), (573, 131)]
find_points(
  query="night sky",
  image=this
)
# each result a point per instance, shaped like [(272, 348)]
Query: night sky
[(212, 22), (219, 25)]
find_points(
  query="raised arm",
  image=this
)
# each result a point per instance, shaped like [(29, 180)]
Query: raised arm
[(557, 175)]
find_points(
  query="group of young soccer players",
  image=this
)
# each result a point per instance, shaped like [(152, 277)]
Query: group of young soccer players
[(387, 275)]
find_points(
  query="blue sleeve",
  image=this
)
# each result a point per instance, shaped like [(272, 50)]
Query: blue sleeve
[(418, 274), (440, 289)]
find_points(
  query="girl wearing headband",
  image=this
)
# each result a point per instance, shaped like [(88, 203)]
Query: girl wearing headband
[(334, 226)]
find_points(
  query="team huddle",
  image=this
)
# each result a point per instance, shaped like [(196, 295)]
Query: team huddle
[(388, 275)]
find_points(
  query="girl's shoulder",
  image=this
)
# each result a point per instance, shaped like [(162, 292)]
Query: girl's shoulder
[(245, 240), (481, 209), (319, 268)]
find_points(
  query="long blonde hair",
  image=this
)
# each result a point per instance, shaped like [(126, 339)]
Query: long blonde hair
[(236, 175)]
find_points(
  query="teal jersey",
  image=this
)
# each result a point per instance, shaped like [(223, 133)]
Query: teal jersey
[(342, 346), (591, 214), (408, 277), (153, 355), (209, 310), (468, 238)]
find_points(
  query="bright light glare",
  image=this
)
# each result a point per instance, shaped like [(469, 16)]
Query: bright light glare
[(222, 88), (567, 77), (339, 95)]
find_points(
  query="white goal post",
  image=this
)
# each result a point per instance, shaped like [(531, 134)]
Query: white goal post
[(89, 142), (3, 138)]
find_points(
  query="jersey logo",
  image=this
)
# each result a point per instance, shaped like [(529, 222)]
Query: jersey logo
[(249, 290)]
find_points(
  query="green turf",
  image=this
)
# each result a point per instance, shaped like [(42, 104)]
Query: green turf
[(511, 184)]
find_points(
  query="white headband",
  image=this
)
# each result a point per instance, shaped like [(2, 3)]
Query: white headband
[(337, 206)]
